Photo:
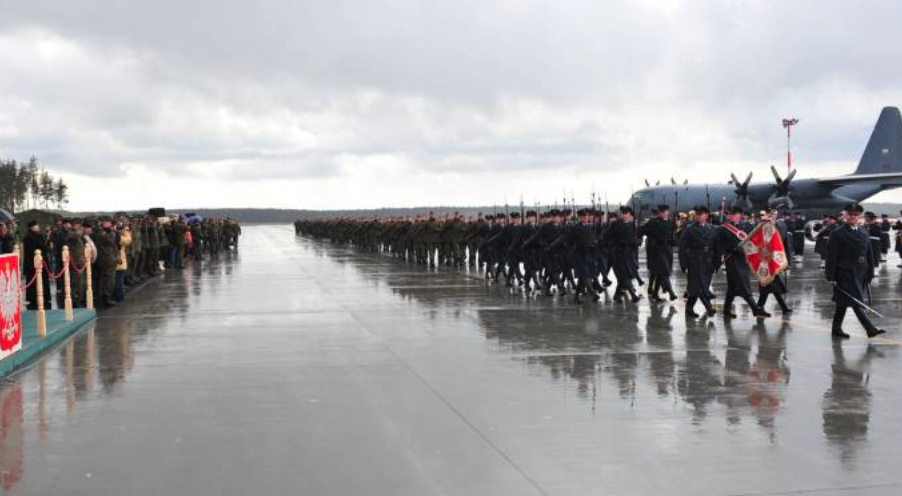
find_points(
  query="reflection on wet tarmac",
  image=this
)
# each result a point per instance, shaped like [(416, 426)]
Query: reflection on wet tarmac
[(319, 370)]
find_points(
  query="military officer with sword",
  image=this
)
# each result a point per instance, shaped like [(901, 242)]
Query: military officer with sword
[(849, 264)]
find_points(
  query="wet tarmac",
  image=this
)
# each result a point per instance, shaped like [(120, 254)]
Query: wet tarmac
[(298, 367)]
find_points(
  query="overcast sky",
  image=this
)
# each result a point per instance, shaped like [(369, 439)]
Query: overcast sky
[(333, 103)]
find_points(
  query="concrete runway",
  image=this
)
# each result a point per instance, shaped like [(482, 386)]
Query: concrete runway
[(296, 367)]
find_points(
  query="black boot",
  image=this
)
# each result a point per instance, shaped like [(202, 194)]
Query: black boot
[(728, 309), (709, 308), (873, 331), (635, 297), (762, 300), (838, 315), (783, 306)]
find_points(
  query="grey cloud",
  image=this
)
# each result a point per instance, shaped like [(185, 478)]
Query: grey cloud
[(293, 88)]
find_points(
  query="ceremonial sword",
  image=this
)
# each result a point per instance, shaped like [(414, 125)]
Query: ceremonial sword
[(856, 300)]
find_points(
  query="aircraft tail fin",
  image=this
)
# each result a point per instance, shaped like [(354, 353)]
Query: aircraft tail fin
[(884, 151)]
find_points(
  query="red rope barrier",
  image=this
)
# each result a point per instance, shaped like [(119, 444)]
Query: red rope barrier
[(83, 268), (50, 273), (33, 279)]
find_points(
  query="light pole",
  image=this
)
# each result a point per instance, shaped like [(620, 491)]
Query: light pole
[(788, 123)]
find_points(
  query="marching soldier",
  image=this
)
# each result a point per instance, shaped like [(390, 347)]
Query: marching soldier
[(875, 234), (885, 228), (849, 262), (823, 237), (659, 241), (548, 234), (777, 287), (622, 239), (696, 250), (727, 252), (582, 239), (797, 230)]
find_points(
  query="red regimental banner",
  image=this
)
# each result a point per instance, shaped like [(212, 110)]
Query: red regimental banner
[(10, 306), (765, 253)]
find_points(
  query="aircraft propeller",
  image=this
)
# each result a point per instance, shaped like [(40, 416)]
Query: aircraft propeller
[(780, 196), (742, 192)]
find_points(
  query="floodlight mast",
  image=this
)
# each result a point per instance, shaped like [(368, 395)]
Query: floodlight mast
[(788, 123)]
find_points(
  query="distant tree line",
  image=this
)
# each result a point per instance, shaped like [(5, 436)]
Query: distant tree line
[(25, 185)]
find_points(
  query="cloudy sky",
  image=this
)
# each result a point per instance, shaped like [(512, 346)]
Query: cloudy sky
[(334, 103)]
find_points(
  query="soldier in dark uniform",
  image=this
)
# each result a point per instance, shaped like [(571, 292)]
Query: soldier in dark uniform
[(659, 241), (603, 222), (548, 234), (513, 244), (728, 253), (875, 234), (885, 244), (797, 230), (849, 263), (532, 252), (622, 238), (58, 240), (823, 237), (696, 257), (582, 239), (777, 287), (492, 247)]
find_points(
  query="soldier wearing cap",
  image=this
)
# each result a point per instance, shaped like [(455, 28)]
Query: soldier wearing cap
[(874, 236), (849, 264), (777, 286), (106, 241), (823, 237), (57, 240), (532, 252), (75, 240), (513, 244), (621, 237), (581, 238), (727, 252), (696, 257), (659, 242), (551, 257), (885, 228)]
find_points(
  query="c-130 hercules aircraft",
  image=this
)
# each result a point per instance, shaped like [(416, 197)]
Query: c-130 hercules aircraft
[(879, 169)]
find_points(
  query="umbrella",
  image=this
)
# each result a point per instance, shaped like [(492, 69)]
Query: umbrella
[(5, 216)]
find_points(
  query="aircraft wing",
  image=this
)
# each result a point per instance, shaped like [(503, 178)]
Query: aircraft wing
[(885, 179)]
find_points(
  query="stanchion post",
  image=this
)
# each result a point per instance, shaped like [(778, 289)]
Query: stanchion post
[(68, 285), (39, 291), (89, 290)]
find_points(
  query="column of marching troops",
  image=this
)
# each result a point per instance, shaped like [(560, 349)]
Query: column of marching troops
[(123, 251), (562, 251)]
